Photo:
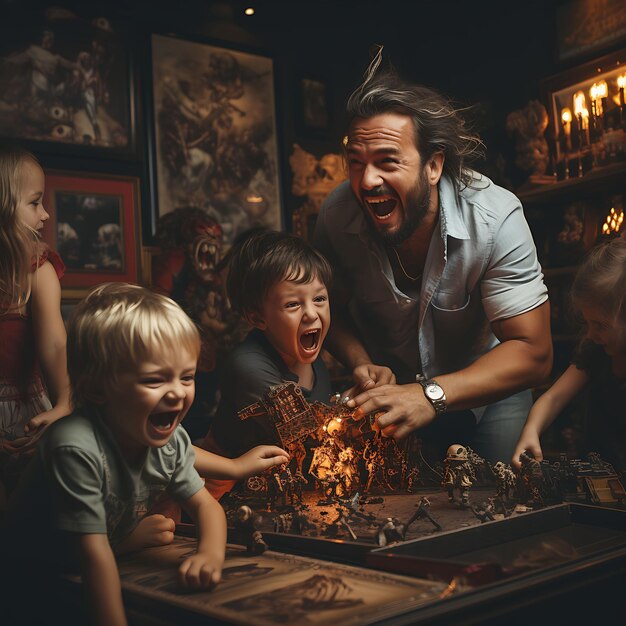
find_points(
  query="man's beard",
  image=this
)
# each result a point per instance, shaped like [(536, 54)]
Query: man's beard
[(414, 212)]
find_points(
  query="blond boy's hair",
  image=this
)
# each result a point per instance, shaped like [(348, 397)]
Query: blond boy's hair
[(113, 329)]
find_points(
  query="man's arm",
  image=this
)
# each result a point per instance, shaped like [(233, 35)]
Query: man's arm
[(523, 359), (101, 581)]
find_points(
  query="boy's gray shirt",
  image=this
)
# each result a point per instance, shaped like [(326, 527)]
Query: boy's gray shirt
[(80, 482)]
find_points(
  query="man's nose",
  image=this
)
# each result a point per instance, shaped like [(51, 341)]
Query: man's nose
[(371, 178)]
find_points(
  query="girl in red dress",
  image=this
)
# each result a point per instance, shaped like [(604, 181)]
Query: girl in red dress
[(34, 386)]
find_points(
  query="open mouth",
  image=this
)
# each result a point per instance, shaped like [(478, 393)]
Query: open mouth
[(163, 421), (381, 206), (205, 255), (310, 339)]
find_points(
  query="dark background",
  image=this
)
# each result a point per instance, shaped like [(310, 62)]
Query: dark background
[(490, 56)]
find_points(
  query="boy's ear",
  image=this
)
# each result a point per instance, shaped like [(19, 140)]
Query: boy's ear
[(254, 318)]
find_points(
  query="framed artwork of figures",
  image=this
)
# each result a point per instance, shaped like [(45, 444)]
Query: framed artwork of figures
[(93, 226), (215, 144), (65, 84)]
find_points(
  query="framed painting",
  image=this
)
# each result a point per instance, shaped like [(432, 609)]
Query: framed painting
[(65, 83), (313, 114), (94, 226), (589, 27), (215, 145)]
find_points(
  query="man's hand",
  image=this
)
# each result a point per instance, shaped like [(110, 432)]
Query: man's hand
[(529, 443), (259, 459), (406, 408), (201, 570), (367, 376)]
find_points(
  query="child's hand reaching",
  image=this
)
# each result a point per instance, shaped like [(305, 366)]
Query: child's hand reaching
[(528, 442), (259, 459), (201, 571), (43, 420)]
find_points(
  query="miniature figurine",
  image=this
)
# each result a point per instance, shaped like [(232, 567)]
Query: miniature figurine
[(341, 521), (506, 480), (390, 531), (245, 523), (484, 512), (297, 486), (458, 474), (412, 477), (532, 480), (421, 513)]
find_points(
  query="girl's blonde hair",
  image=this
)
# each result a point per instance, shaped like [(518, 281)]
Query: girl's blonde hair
[(18, 242), (113, 329), (601, 281)]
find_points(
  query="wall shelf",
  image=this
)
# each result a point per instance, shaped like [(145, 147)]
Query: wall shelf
[(597, 178)]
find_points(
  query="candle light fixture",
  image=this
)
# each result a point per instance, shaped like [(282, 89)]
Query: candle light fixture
[(613, 222)]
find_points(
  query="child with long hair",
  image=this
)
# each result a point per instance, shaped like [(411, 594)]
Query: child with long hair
[(34, 385), (599, 295)]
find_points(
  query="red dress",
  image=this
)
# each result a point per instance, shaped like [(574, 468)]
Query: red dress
[(22, 391)]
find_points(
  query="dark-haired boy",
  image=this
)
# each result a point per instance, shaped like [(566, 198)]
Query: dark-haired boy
[(279, 283)]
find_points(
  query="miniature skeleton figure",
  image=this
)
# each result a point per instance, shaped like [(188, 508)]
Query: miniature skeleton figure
[(506, 480), (458, 474), (422, 512), (282, 523), (412, 477), (245, 523), (390, 531)]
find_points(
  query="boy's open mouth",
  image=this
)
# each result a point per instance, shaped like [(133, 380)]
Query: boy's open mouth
[(163, 421), (309, 340), (381, 206)]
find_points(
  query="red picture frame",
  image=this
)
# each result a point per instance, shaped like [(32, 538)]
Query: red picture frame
[(94, 225)]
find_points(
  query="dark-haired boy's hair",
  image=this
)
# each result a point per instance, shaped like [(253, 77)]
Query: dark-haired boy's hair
[(266, 257)]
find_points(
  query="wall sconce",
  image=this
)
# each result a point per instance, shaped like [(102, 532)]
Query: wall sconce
[(613, 222)]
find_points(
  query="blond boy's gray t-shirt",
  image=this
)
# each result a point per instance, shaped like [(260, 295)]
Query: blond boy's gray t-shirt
[(79, 482)]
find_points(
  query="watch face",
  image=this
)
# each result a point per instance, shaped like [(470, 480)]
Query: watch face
[(435, 392)]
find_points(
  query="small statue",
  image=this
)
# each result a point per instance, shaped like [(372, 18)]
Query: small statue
[(506, 480), (422, 512), (528, 125), (412, 477), (390, 531), (458, 474), (245, 523), (298, 485)]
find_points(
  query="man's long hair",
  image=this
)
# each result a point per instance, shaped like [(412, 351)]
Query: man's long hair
[(439, 127)]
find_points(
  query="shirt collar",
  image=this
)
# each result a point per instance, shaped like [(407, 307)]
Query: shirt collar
[(452, 223)]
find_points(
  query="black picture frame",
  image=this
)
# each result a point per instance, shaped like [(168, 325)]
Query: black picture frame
[(588, 27), (213, 133), (67, 85), (313, 114)]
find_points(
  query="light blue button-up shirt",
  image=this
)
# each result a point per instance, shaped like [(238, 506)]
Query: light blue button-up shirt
[(481, 267)]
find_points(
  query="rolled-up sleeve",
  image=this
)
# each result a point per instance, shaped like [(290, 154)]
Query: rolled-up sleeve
[(513, 281)]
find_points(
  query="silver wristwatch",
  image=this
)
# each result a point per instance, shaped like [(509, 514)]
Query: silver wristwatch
[(434, 393)]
